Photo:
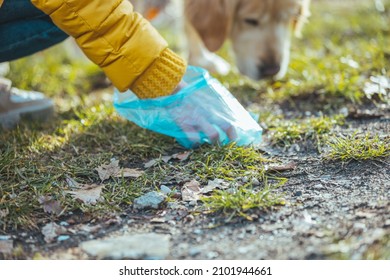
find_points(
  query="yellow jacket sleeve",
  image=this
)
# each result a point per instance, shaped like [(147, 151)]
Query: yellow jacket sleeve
[(125, 45)]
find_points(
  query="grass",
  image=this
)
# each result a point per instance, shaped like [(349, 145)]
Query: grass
[(37, 159), (239, 201), (55, 73), (287, 132), (358, 147), (232, 163), (228, 163), (328, 70)]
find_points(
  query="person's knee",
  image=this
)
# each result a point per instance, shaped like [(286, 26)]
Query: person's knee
[(25, 37)]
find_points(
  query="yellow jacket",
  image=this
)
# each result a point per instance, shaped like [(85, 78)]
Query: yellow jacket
[(125, 45)]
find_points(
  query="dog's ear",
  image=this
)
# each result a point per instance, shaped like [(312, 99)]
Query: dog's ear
[(210, 19), (301, 19)]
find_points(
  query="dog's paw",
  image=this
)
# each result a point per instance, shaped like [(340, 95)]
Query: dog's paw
[(213, 63)]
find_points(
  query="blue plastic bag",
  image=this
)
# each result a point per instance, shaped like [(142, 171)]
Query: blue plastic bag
[(202, 112)]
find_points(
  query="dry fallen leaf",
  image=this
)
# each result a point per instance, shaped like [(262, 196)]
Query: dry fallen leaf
[(215, 184), (280, 168), (191, 191), (150, 163), (4, 213), (166, 159), (50, 205), (105, 171), (89, 194), (51, 230), (72, 183), (89, 228), (129, 172), (180, 156)]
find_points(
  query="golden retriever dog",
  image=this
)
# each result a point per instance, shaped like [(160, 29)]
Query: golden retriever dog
[(259, 31)]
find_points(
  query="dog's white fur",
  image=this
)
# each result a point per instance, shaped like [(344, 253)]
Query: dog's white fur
[(259, 30)]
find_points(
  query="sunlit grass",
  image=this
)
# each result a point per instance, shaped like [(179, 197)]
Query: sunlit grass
[(55, 73), (285, 132), (228, 162), (358, 147), (238, 201)]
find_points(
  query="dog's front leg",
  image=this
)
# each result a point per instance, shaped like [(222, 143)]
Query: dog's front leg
[(199, 55)]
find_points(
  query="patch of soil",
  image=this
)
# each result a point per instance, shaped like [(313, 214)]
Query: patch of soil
[(334, 211)]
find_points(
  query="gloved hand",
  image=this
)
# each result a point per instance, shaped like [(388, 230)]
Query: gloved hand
[(203, 111)]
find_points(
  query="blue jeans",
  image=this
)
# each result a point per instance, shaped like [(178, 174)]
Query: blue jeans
[(24, 30)]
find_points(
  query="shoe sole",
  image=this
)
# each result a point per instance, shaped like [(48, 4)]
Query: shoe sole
[(40, 113)]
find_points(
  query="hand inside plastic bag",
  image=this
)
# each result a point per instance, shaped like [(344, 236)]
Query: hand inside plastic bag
[(202, 111), (201, 125)]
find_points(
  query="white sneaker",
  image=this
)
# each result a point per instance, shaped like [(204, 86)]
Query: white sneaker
[(16, 104)]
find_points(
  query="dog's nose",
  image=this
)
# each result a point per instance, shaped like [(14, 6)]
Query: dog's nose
[(269, 70)]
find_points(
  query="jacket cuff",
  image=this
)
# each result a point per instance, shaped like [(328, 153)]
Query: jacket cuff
[(161, 77)]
